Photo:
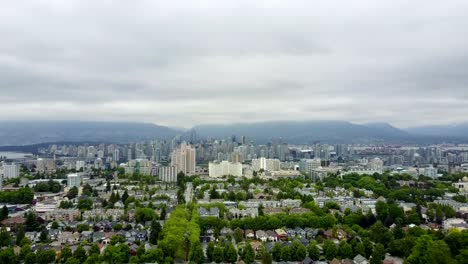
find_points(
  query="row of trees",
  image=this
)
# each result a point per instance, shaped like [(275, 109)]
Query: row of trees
[(21, 196), (50, 186)]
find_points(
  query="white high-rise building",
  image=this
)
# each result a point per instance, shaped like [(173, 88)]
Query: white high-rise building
[(80, 164), (376, 164), (224, 168), (431, 172), (11, 171), (309, 165), (116, 155), (183, 158), (73, 180), (266, 164), (168, 174)]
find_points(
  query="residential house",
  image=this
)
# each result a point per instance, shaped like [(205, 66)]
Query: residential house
[(261, 235), (291, 203), (225, 231), (142, 235), (299, 210), (281, 234), (291, 232), (311, 233), (272, 211), (300, 233), (358, 259), (249, 234), (242, 213), (272, 237), (212, 212), (98, 236), (307, 260)]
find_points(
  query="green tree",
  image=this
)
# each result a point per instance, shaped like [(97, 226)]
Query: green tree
[(378, 255), (5, 238), (80, 254), (55, 225), (237, 234), (3, 213), (30, 258), (285, 253), (31, 223), (210, 250), (463, 256), (124, 196), (94, 250), (380, 234), (218, 254), (360, 249), (72, 260), (87, 190), (419, 253), (266, 258), (196, 253), (44, 235), (312, 249), (248, 254), (25, 250), (82, 227), (345, 250), (65, 254), (72, 193), (7, 255), (298, 251), (276, 252), (20, 235), (155, 231), (230, 253), (330, 250), (369, 248), (381, 209), (45, 256), (85, 204), (439, 253)]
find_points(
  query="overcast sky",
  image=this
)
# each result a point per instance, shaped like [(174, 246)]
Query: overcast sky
[(399, 61)]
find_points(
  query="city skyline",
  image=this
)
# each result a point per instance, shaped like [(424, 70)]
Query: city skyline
[(398, 62)]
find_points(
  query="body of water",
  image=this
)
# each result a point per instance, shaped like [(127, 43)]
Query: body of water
[(14, 155)]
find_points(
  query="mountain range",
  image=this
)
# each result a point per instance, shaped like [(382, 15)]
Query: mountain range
[(35, 132)]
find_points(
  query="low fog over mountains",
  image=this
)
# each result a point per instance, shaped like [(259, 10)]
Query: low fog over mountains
[(33, 132)]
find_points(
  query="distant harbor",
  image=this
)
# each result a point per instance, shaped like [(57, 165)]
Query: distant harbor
[(15, 155)]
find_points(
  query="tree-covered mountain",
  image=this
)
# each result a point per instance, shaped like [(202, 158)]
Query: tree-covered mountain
[(453, 131), (33, 132), (307, 131), (298, 132)]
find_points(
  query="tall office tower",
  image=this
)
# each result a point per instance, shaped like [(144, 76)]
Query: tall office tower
[(376, 164), (224, 168), (116, 155), (236, 156), (11, 171), (129, 154), (266, 164), (183, 158), (168, 174), (80, 164), (73, 180), (157, 154), (308, 165)]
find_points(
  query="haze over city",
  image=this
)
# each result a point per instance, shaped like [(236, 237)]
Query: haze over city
[(242, 132), (198, 62)]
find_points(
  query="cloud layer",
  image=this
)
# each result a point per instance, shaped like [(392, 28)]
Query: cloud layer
[(180, 64)]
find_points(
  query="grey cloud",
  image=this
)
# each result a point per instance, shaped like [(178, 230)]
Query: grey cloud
[(183, 64)]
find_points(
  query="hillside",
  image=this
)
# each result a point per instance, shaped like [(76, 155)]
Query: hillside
[(33, 132)]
